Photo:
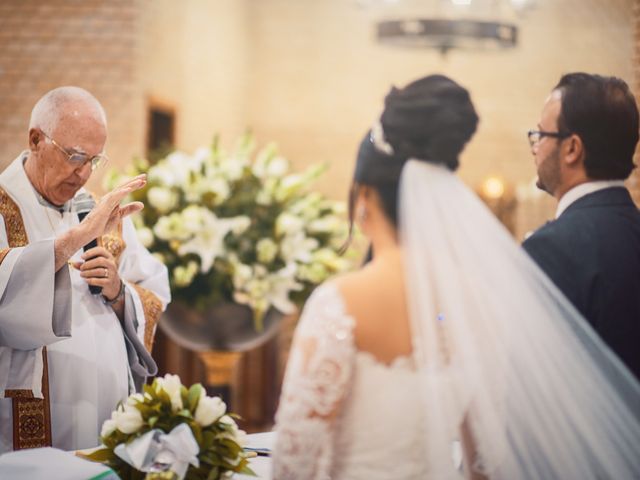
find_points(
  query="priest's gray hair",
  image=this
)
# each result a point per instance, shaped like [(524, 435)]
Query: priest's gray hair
[(48, 111)]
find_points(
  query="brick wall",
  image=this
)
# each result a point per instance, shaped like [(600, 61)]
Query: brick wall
[(634, 181), (93, 44)]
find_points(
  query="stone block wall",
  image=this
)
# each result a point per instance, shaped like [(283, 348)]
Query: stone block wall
[(93, 44)]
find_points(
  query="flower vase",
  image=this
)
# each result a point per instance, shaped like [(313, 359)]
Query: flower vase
[(219, 336), (225, 327)]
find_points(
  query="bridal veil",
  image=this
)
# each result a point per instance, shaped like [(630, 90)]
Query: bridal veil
[(501, 349)]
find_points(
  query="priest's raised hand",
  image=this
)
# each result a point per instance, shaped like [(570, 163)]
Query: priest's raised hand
[(102, 219)]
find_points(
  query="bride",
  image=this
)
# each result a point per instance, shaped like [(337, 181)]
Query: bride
[(450, 333)]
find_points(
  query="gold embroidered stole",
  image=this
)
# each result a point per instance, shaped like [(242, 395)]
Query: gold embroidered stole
[(151, 304), (31, 416), (152, 308)]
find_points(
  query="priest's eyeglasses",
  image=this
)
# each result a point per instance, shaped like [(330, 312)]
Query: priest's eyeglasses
[(78, 159), (536, 135)]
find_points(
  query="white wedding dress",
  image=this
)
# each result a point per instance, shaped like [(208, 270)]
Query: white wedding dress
[(495, 345), (348, 416)]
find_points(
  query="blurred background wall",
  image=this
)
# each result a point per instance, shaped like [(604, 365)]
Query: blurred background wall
[(308, 74)]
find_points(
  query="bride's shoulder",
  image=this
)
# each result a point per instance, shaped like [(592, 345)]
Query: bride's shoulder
[(344, 294), (337, 287), (354, 285)]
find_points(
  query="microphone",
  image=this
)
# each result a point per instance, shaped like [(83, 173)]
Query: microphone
[(84, 203)]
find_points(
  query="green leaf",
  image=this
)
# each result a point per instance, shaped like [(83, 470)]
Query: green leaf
[(214, 474), (245, 144), (197, 432), (145, 410), (103, 455), (247, 471), (163, 397), (215, 144), (185, 413), (194, 396), (207, 439), (150, 390)]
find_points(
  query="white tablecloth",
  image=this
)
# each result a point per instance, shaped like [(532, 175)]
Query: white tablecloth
[(50, 464), (53, 464)]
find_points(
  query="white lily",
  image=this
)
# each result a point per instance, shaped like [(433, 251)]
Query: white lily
[(262, 160), (328, 223), (197, 188), (209, 232), (172, 386), (162, 174), (171, 227), (183, 275), (266, 249), (108, 427), (209, 410), (145, 236), (277, 167), (297, 247), (288, 224), (262, 288), (162, 199), (313, 272), (233, 168), (282, 283), (182, 164), (127, 418)]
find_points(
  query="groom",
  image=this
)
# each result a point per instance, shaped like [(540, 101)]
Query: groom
[(583, 148)]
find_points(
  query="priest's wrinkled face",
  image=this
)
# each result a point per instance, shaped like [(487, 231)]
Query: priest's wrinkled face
[(65, 157)]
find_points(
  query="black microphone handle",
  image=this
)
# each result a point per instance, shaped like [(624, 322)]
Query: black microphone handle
[(94, 289)]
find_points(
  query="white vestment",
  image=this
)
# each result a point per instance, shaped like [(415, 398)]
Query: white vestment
[(91, 361)]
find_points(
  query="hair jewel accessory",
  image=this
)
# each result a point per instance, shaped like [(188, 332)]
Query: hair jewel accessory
[(378, 140)]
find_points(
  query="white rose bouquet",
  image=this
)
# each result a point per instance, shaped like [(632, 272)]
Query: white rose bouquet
[(232, 228), (170, 428)]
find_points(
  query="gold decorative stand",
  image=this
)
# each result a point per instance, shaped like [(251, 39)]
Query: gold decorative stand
[(220, 369)]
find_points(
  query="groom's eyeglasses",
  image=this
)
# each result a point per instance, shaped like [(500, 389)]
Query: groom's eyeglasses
[(536, 135)]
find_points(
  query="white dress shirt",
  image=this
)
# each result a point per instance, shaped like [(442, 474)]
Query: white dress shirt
[(583, 189)]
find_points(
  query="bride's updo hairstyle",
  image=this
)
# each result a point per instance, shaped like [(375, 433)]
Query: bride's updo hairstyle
[(429, 120)]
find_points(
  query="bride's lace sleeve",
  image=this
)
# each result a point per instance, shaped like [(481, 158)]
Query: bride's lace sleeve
[(317, 378)]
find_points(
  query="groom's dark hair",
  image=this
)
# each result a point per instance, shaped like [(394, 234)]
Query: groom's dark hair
[(602, 111)]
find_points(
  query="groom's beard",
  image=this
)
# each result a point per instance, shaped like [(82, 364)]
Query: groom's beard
[(549, 175)]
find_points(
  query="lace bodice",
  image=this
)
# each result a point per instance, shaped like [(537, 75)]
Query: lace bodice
[(343, 414)]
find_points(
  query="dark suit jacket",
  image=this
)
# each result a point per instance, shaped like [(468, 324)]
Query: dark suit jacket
[(592, 253)]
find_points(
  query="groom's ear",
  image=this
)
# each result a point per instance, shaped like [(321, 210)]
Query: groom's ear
[(573, 150)]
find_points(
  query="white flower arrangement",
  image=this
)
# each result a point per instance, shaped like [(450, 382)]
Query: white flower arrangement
[(170, 428), (236, 229)]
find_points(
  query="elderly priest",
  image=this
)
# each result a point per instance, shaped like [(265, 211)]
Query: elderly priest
[(68, 354)]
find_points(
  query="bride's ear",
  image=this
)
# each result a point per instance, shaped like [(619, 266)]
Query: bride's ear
[(362, 204), (366, 192)]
